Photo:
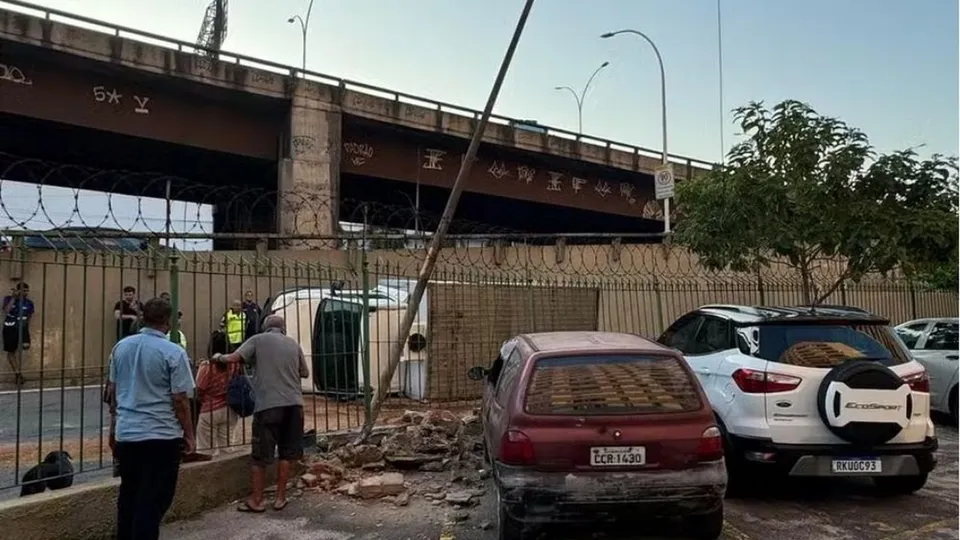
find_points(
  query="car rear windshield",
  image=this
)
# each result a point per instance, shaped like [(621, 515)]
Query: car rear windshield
[(619, 384), (823, 345)]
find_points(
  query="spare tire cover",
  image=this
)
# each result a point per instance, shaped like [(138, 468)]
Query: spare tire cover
[(864, 403)]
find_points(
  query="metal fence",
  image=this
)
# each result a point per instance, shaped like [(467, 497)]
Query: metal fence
[(342, 296)]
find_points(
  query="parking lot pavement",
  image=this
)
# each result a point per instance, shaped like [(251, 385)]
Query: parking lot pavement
[(789, 511)]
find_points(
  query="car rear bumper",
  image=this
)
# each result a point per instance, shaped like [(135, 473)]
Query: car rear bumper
[(816, 460), (532, 496)]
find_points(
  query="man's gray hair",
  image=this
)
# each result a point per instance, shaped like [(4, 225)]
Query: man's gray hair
[(275, 321)]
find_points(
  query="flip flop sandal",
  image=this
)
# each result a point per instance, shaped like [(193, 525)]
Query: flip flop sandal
[(245, 507), (280, 505)]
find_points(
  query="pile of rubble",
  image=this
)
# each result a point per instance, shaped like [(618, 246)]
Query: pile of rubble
[(437, 455)]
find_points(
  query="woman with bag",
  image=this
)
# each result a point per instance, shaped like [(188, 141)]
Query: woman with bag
[(217, 422)]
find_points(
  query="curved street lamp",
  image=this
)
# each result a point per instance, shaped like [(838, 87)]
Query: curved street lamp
[(579, 97), (304, 25), (663, 108)]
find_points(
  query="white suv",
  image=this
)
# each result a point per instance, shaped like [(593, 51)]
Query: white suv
[(825, 391)]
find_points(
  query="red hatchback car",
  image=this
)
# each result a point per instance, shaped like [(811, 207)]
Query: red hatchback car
[(595, 426)]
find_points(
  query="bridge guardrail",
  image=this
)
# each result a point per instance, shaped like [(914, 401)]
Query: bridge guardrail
[(55, 15)]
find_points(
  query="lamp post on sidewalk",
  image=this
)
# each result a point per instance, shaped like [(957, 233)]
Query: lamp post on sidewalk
[(304, 25), (666, 170), (580, 97)]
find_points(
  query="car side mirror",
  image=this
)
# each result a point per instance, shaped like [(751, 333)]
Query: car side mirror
[(477, 373)]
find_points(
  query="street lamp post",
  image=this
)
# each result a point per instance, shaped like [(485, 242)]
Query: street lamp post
[(580, 97), (304, 25), (663, 108)]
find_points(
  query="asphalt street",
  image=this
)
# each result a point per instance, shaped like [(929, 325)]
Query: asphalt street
[(30, 415), (828, 510)]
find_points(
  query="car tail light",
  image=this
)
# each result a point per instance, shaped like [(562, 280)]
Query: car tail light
[(711, 445), (764, 382), (919, 382), (516, 449)]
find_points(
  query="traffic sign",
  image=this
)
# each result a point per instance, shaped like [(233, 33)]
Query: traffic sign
[(663, 182)]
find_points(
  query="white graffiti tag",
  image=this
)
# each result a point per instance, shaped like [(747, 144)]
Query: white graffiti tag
[(498, 170), (433, 160), (100, 94), (602, 188), (555, 181), (626, 191), (14, 74), (359, 152), (526, 174), (141, 105), (577, 184)]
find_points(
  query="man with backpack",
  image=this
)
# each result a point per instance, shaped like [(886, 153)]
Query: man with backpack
[(277, 406)]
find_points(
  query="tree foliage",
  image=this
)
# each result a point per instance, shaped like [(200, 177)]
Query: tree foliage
[(806, 188)]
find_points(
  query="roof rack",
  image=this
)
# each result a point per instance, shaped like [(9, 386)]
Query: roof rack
[(838, 307), (731, 307)]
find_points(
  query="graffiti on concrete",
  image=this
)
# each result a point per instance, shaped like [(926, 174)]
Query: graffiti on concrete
[(577, 184), (555, 183), (433, 159), (526, 174), (498, 170), (303, 144), (141, 105), (358, 153), (626, 191), (13, 74), (263, 77), (602, 188), (101, 94)]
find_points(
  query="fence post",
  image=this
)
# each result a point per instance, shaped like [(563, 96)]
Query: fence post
[(365, 328), (175, 297), (760, 291), (656, 295), (913, 300)]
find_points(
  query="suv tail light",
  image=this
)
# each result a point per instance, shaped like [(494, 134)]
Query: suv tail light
[(919, 382), (516, 449), (711, 445), (763, 382)]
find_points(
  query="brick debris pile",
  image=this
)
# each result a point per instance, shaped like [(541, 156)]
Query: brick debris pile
[(437, 455)]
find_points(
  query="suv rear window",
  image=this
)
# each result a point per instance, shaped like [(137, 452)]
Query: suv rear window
[(823, 345), (619, 384)]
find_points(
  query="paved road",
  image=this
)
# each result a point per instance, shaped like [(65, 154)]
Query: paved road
[(817, 511), (42, 414)]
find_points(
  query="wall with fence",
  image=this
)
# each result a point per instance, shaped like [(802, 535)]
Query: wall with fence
[(487, 295)]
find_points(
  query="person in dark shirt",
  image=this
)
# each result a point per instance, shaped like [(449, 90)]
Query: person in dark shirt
[(17, 309), (127, 312), (253, 311)]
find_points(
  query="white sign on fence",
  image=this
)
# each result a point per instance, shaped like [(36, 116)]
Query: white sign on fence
[(663, 182)]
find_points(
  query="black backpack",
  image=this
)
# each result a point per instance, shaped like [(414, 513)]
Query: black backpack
[(240, 395)]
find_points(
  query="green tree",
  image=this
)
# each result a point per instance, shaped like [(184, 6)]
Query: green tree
[(805, 189)]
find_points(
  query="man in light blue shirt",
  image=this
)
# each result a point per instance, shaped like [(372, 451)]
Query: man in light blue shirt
[(150, 421)]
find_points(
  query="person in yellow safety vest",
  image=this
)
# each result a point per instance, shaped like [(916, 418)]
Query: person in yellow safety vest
[(234, 324), (183, 337)]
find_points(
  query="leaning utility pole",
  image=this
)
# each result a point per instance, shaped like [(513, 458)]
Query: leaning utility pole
[(436, 242)]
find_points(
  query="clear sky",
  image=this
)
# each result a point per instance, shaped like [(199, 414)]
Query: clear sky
[(889, 67)]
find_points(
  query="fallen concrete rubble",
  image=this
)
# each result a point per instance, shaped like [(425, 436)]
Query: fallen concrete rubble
[(436, 455)]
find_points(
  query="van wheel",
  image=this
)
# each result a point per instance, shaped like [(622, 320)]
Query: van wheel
[(508, 527), (899, 485), (705, 526)]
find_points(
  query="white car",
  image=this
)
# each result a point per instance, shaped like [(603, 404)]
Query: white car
[(829, 391), (933, 343)]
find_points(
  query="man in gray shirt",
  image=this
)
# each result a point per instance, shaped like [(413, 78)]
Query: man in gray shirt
[(278, 412)]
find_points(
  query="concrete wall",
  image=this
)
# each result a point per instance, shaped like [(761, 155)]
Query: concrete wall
[(638, 289), (88, 511)]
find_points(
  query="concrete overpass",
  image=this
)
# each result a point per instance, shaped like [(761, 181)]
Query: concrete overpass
[(80, 91)]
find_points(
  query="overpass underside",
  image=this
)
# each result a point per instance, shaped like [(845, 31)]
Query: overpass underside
[(292, 166)]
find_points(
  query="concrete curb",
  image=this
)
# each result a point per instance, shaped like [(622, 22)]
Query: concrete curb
[(88, 511)]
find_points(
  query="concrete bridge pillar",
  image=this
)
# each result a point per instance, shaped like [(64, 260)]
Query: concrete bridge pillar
[(309, 173)]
